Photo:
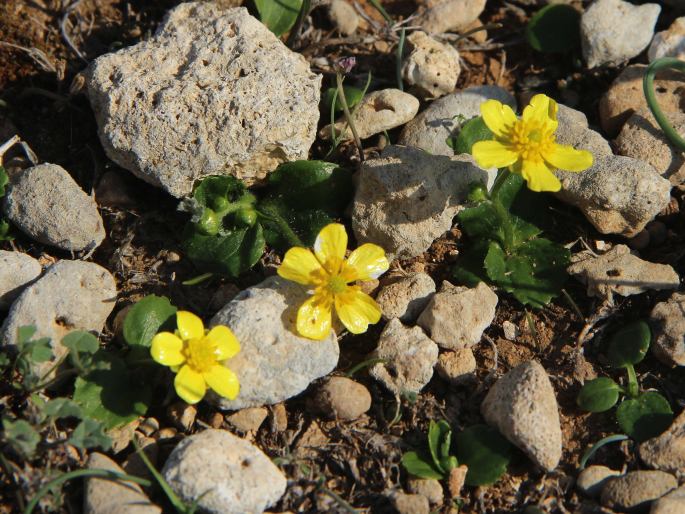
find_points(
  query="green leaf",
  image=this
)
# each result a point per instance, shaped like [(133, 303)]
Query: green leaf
[(40, 350), (219, 192), (481, 222), (353, 95), (471, 132), (278, 15), (420, 466), (111, 393), (509, 189), (469, 269), (62, 408), (644, 417), (147, 317), (81, 342), (439, 439), (598, 395), (90, 434), (21, 435), (629, 345), (5, 234), (554, 29), (4, 180), (24, 335), (486, 453)]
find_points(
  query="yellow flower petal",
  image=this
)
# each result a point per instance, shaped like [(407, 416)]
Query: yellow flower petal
[(498, 117), (367, 261), (568, 158), (493, 154), (330, 247), (356, 310), (190, 385), (541, 109), (222, 381), (314, 317), (300, 265), (189, 325), (226, 343), (539, 177), (166, 349)]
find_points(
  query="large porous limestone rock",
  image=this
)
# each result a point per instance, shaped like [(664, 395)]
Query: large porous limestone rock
[(213, 92)]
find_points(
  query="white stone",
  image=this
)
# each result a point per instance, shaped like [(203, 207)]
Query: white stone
[(378, 111), (523, 407), (343, 16), (636, 490), (432, 68), (593, 478), (672, 503), (213, 92), (667, 320), (407, 297), (456, 316), (50, 207), (17, 270), (613, 31), (438, 16), (274, 362), (407, 198), (71, 295), (669, 42), (431, 128), (223, 473), (409, 357)]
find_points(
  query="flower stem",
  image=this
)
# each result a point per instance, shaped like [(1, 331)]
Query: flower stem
[(650, 96), (348, 116), (633, 387), (502, 213)]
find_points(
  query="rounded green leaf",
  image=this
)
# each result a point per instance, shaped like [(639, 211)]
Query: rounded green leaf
[(146, 318), (81, 342), (486, 453), (598, 395), (278, 15), (470, 133), (554, 29), (420, 466), (644, 417), (353, 95), (629, 345)]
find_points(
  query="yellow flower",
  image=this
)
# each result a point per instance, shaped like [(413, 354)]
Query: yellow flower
[(330, 275), (196, 355), (527, 146)]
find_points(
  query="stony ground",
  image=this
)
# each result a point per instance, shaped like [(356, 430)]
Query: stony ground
[(131, 229)]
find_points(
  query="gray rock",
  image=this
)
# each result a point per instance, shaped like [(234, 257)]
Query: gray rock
[(666, 452), (669, 42), (223, 473), (618, 195), (406, 298), (407, 198), (50, 207), (343, 16), (428, 487), (672, 503), (566, 114), (457, 367), (667, 320), (522, 406), (432, 68), (457, 316), (274, 362), (606, 42), (409, 503), (104, 496), (378, 111), (636, 490), (71, 295), (438, 16), (625, 96), (619, 271), (573, 130), (593, 478), (17, 270), (643, 139), (203, 111), (409, 358), (342, 398), (431, 128)]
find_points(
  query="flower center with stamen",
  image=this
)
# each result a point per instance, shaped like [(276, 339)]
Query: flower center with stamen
[(531, 140), (200, 354), (337, 285)]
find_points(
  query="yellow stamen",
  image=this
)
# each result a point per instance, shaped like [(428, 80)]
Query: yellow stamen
[(200, 354), (337, 285)]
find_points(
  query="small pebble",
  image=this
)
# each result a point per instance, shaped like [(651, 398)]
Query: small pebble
[(343, 16), (455, 482), (457, 366), (342, 398), (149, 426), (410, 503), (428, 487), (166, 433), (279, 418), (636, 490), (248, 420), (592, 479), (182, 415), (511, 331)]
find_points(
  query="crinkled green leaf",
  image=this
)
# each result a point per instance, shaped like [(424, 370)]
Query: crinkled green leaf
[(61, 408), (112, 393), (469, 133), (469, 269), (278, 15), (148, 316), (598, 395), (509, 189), (629, 345), (481, 222), (439, 439), (90, 434), (21, 435), (485, 452), (420, 465), (554, 28), (644, 417), (353, 95)]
